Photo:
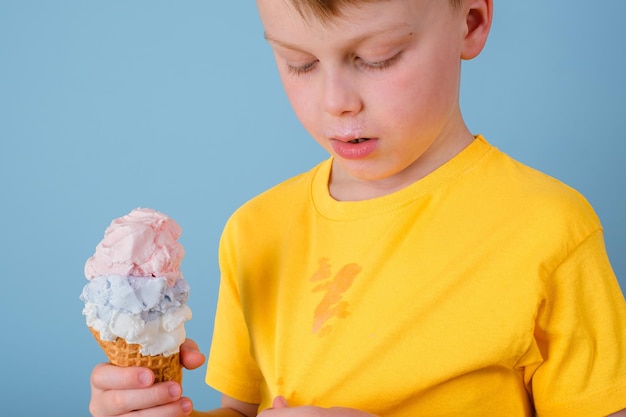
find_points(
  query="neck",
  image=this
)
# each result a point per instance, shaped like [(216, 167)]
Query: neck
[(344, 187)]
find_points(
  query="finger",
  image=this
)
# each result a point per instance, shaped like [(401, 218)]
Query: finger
[(106, 377), (190, 355), (165, 396), (280, 402), (190, 344), (181, 408)]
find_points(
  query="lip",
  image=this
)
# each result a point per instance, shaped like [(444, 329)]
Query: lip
[(349, 149)]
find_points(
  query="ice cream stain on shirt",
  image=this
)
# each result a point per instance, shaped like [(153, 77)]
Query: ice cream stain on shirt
[(332, 305)]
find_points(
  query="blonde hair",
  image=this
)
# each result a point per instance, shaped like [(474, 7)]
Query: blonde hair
[(326, 10)]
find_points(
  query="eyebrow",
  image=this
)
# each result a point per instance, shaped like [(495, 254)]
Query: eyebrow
[(269, 38), (275, 41)]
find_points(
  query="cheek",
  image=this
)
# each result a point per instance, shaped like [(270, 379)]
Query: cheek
[(423, 92), (302, 101), (404, 99)]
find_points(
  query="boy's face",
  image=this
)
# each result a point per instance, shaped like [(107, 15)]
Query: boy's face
[(378, 87)]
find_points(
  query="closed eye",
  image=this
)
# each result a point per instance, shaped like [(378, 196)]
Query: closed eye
[(367, 65), (380, 65), (301, 69)]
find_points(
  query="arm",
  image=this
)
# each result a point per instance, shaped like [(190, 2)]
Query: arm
[(619, 414)]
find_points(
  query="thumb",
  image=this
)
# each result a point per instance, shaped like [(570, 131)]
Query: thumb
[(190, 356), (280, 402)]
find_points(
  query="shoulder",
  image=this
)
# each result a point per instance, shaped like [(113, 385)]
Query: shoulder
[(538, 189), (275, 203), (538, 200)]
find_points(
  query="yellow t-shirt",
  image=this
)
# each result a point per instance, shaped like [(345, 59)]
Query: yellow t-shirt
[(482, 289)]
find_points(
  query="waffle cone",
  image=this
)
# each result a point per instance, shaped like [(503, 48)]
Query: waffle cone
[(120, 353)]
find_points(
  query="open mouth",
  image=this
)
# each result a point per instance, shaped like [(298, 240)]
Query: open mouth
[(352, 149)]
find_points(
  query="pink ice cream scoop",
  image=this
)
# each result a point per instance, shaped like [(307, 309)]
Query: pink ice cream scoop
[(142, 244)]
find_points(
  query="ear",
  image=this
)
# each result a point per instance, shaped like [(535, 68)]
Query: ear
[(478, 16)]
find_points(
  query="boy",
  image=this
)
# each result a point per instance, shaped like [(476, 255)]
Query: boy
[(418, 271)]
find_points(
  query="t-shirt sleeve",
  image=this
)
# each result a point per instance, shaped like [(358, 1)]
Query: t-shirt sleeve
[(581, 334), (231, 369)]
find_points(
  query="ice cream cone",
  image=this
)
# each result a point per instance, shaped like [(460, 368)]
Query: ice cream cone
[(120, 353), (137, 293)]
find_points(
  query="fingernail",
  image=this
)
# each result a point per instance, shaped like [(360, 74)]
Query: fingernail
[(145, 378), (174, 390), (186, 406)]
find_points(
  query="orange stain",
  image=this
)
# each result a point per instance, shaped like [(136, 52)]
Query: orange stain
[(323, 272), (332, 304)]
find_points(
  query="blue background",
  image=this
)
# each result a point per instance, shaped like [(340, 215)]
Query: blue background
[(110, 105)]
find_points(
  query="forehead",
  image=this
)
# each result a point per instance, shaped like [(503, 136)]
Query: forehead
[(283, 21)]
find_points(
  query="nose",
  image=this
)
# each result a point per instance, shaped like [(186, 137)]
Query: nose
[(340, 94)]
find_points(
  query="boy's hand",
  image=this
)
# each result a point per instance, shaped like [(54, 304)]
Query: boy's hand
[(280, 408), (116, 391)]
